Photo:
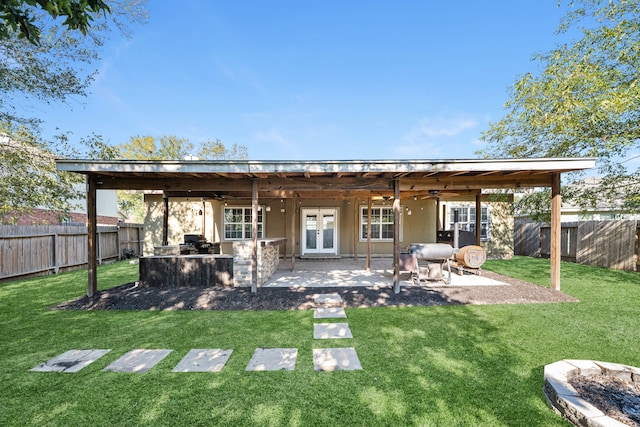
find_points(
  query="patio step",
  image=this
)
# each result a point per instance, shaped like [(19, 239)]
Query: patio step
[(320, 257)]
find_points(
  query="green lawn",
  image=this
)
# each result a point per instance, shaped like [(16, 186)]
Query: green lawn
[(457, 365)]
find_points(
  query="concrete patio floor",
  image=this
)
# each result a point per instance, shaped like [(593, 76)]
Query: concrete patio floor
[(347, 272)]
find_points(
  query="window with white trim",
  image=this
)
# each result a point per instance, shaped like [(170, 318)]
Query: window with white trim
[(467, 219), (381, 223), (237, 223)]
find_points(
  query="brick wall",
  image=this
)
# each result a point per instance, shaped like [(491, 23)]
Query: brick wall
[(47, 217)]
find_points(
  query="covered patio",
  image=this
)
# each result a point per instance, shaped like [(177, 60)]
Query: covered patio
[(329, 189), (347, 272)]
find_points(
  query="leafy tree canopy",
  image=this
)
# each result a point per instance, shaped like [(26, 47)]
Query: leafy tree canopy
[(169, 148), (56, 69), (584, 102), (29, 177), (20, 16)]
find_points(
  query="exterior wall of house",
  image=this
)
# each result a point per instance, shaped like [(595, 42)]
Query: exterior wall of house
[(106, 203), (500, 245), (418, 224), (186, 216)]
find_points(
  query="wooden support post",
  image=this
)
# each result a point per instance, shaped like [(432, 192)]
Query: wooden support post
[(294, 209), (369, 206), (92, 267), (478, 216), (438, 226), (203, 226), (555, 253), (254, 235), (356, 228), (396, 235), (165, 220)]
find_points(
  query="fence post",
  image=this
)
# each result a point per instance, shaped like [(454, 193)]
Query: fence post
[(55, 253), (118, 243), (99, 242)]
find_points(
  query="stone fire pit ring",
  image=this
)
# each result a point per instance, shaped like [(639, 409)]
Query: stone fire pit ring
[(565, 399)]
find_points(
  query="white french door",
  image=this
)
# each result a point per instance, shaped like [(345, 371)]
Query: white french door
[(319, 231)]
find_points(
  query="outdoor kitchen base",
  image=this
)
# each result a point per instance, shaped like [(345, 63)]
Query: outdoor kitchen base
[(186, 270)]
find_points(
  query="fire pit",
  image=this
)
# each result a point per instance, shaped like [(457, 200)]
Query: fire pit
[(569, 402)]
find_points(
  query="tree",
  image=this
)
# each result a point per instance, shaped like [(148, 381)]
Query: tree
[(20, 16), (584, 102), (168, 148), (217, 150), (29, 178), (53, 70)]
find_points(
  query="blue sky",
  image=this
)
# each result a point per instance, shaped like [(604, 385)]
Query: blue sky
[(316, 80)]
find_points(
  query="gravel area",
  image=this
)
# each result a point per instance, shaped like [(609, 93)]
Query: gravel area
[(133, 297)]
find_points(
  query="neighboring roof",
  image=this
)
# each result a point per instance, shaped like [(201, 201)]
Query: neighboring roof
[(344, 178)]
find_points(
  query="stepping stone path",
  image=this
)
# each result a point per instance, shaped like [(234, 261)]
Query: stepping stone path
[(273, 359), (332, 359), (71, 361), (329, 313), (138, 361), (328, 300), (327, 331), (203, 360), (214, 360)]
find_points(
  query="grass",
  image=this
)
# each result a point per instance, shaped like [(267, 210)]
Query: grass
[(456, 365)]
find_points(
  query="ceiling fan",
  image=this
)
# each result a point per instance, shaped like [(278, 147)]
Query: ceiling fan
[(434, 194)]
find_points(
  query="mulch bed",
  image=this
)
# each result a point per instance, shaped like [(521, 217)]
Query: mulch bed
[(133, 297)]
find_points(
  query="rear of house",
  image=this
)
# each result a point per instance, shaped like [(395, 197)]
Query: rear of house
[(327, 228)]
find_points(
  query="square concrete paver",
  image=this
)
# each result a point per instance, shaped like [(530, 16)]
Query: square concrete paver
[(324, 331), (71, 361), (328, 299), (273, 359), (329, 313), (138, 361), (203, 360), (336, 359)]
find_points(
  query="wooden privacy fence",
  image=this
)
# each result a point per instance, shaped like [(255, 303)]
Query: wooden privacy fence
[(611, 244), (45, 249)]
